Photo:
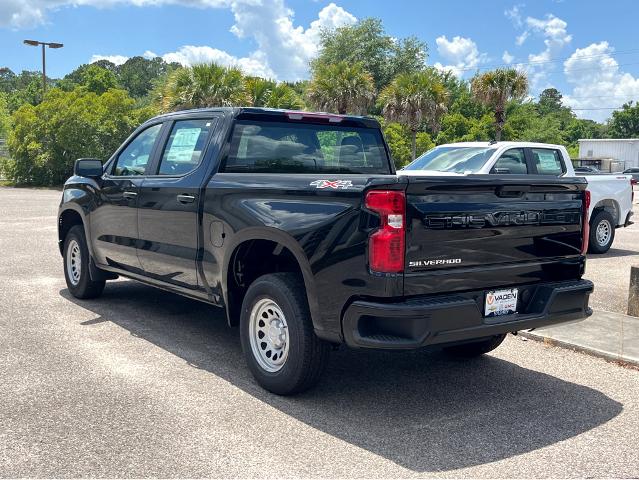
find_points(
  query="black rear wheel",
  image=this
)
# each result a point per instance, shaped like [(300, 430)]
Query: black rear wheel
[(602, 232), (76, 266), (281, 348)]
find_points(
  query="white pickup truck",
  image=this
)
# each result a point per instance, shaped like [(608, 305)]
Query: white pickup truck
[(611, 194)]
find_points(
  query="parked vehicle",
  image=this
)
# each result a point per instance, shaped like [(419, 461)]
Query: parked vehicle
[(634, 172), (585, 169), (611, 194), (297, 225)]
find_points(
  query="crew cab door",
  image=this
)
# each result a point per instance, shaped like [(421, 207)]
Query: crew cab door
[(168, 203), (114, 222)]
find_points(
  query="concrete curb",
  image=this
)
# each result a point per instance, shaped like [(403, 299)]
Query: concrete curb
[(581, 349), (611, 336)]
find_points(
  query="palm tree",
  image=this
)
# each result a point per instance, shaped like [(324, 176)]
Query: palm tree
[(496, 88), (284, 96), (267, 93), (258, 90), (413, 99), (203, 85), (341, 87)]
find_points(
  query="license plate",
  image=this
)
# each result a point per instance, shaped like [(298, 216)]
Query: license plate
[(500, 302)]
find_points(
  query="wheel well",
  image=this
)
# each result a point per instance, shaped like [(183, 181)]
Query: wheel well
[(609, 206), (67, 219), (251, 260)]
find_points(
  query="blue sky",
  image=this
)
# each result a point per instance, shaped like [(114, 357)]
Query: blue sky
[(586, 49)]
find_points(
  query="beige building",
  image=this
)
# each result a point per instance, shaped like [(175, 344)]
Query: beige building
[(624, 152)]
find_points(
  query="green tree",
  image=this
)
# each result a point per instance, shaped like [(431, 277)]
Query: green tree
[(284, 96), (138, 74), (203, 85), (413, 99), (30, 93), (258, 90), (496, 88), (367, 43), (399, 141), (624, 123), (98, 80), (46, 139), (550, 101), (5, 116), (455, 127), (341, 88), (7, 80)]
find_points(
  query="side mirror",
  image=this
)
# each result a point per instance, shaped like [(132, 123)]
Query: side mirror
[(88, 167)]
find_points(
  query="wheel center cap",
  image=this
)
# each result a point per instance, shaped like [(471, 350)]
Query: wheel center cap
[(276, 334)]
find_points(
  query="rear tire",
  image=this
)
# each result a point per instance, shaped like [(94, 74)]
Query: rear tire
[(602, 232), (474, 349), (281, 348), (76, 266)]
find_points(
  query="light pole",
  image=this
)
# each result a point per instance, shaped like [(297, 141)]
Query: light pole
[(35, 43)]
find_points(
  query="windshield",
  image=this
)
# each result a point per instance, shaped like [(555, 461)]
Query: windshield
[(452, 159)]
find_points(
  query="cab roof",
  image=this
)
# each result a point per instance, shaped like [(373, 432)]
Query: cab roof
[(275, 112)]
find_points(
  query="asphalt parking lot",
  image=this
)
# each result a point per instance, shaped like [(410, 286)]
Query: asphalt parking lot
[(145, 383)]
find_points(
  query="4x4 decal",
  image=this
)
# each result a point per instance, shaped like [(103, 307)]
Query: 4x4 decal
[(332, 184)]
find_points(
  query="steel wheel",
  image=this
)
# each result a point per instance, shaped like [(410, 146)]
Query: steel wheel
[(604, 231), (74, 262), (269, 335)]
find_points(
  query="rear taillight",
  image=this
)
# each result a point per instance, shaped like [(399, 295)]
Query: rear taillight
[(386, 245), (585, 228), (633, 182)]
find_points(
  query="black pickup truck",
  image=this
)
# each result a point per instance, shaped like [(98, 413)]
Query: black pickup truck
[(296, 224)]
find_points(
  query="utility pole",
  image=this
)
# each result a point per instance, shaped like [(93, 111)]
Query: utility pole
[(36, 43)]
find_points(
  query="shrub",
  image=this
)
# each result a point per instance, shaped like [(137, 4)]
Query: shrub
[(47, 139)]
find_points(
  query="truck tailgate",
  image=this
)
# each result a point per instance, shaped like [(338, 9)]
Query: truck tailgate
[(485, 231)]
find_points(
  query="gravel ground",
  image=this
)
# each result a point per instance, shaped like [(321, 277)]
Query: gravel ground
[(144, 383)]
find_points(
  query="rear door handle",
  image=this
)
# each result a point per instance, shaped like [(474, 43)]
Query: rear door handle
[(185, 198), (130, 195)]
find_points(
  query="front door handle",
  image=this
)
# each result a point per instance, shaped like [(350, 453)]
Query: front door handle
[(185, 198), (130, 195)]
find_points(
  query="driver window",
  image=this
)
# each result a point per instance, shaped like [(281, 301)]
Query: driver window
[(134, 159), (511, 162)]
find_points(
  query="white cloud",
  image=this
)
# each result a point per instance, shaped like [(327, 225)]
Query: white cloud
[(284, 49), (507, 57), (288, 48), (149, 55), (190, 55), (556, 37), (461, 53), (519, 41), (19, 14), (117, 59), (597, 81), (514, 14)]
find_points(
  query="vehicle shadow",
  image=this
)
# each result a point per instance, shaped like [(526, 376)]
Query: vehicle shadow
[(614, 252), (420, 410)]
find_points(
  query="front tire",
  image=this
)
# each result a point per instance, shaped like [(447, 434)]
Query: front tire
[(76, 266), (602, 232), (281, 348), (474, 349)]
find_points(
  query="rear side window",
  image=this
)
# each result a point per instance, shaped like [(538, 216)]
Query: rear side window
[(547, 161), (185, 146), (282, 147), (511, 162)]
